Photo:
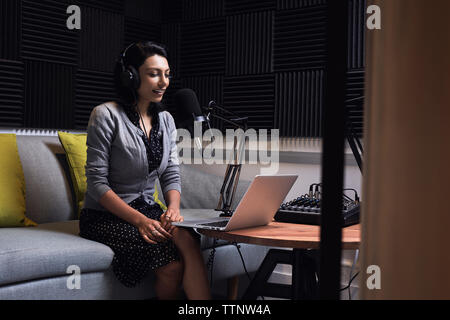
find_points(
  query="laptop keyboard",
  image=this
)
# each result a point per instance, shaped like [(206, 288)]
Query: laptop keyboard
[(215, 224)]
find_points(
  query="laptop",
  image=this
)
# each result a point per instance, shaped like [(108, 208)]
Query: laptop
[(256, 208)]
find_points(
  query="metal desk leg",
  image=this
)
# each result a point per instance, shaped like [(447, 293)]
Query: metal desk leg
[(304, 283)]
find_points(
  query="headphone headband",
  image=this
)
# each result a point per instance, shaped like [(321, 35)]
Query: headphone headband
[(130, 77)]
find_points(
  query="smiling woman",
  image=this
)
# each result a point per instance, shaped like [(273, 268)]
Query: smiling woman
[(130, 144)]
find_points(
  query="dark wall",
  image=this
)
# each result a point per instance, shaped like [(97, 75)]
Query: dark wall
[(264, 59)]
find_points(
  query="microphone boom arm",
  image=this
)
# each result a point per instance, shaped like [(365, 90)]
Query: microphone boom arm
[(232, 173)]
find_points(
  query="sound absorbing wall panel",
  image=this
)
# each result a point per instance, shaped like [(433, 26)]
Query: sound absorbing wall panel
[(170, 36), (355, 89), (356, 54), (249, 43), (105, 5), (49, 95), (101, 39), (251, 96), (203, 47), (299, 103), (263, 59), (292, 4), (241, 6), (92, 88), (143, 10), (11, 93), (202, 9), (136, 30), (300, 39), (10, 32), (44, 35)]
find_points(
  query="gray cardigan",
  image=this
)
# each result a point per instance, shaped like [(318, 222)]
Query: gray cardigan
[(116, 157)]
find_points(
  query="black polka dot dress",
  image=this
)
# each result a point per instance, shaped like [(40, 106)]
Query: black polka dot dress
[(133, 256)]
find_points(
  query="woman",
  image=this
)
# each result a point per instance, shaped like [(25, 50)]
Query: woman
[(131, 143)]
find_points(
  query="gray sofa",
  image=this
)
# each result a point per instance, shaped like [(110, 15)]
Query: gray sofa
[(35, 262)]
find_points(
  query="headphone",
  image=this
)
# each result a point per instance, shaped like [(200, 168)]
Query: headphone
[(129, 76)]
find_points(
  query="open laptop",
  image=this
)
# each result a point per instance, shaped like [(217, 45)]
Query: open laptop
[(256, 208)]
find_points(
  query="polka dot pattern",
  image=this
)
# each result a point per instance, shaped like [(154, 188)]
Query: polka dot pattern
[(154, 147), (133, 256)]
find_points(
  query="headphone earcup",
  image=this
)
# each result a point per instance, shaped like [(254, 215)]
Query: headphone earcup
[(136, 80), (130, 78)]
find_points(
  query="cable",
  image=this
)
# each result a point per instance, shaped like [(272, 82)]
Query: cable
[(243, 262), (356, 193), (210, 263), (350, 282), (350, 276), (242, 259)]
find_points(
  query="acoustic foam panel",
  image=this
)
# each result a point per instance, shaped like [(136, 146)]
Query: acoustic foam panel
[(49, 95), (355, 89), (144, 10), (171, 11), (45, 36), (136, 30), (299, 103), (101, 39), (11, 93), (251, 96), (292, 4), (92, 88), (249, 43), (357, 27), (202, 9), (170, 36), (241, 6), (202, 47), (10, 29), (116, 6), (300, 39)]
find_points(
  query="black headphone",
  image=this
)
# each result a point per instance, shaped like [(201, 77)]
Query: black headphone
[(129, 76)]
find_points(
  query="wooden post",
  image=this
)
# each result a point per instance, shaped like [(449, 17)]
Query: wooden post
[(406, 216), (233, 288)]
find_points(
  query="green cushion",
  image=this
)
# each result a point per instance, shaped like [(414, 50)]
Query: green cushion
[(12, 185), (75, 147)]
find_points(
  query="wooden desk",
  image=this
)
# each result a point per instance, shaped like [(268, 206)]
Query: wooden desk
[(287, 235), (304, 261)]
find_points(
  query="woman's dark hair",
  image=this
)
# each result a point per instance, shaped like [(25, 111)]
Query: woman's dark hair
[(135, 56)]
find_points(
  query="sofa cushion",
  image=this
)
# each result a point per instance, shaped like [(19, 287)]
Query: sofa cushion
[(48, 195), (75, 147), (12, 185), (50, 248), (47, 251)]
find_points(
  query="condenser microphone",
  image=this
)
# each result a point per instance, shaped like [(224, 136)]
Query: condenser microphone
[(187, 101)]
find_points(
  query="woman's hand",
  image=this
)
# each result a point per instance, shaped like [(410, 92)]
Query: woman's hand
[(171, 215), (152, 231)]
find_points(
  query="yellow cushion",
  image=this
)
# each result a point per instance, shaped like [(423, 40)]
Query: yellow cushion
[(155, 196), (12, 185), (76, 154)]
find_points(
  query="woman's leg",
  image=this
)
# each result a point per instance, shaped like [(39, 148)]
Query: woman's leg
[(195, 280), (168, 280)]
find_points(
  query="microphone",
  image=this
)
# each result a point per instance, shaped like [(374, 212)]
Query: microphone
[(187, 101)]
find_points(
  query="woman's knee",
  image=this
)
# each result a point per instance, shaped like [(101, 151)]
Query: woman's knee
[(172, 271), (182, 237)]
